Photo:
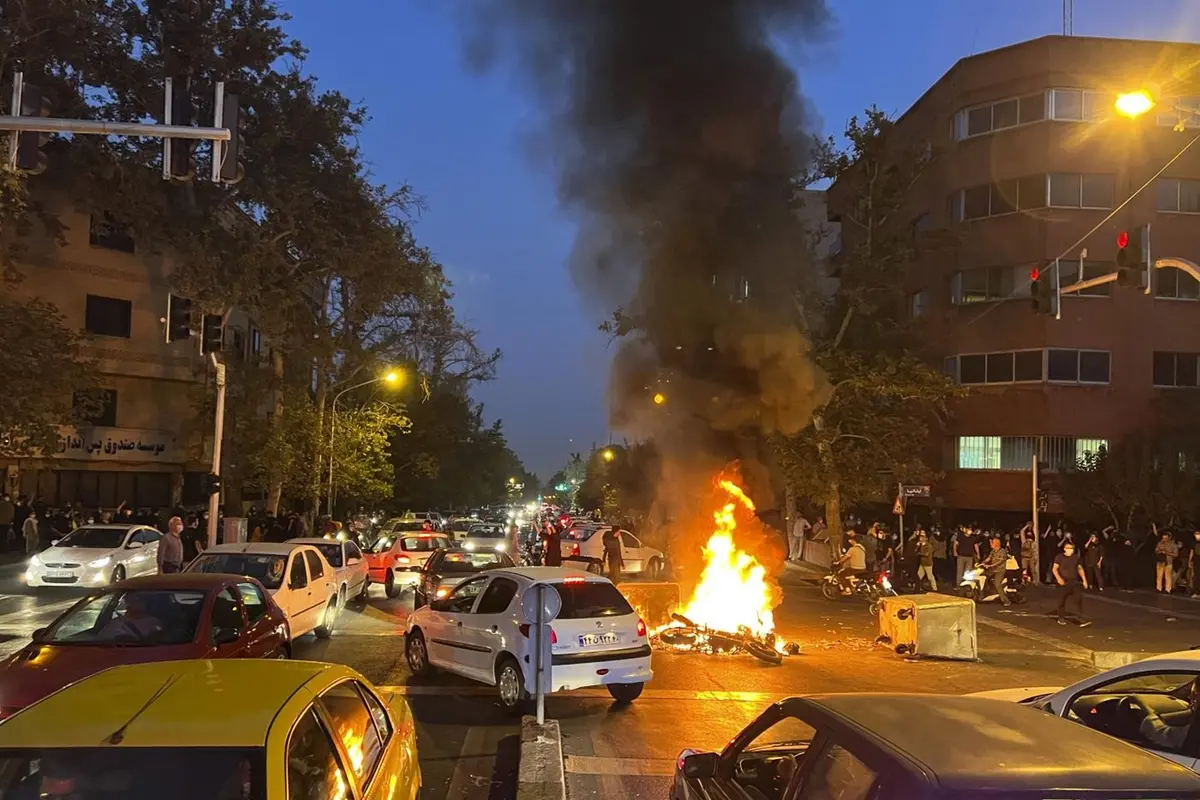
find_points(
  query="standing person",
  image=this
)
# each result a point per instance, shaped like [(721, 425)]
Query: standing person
[(20, 513), (7, 514), (925, 561), (612, 554), (1194, 566), (193, 540), (1165, 553), (1093, 559), (963, 546), (941, 553), (818, 530), (551, 546), (170, 548), (1029, 553), (800, 529), (870, 543), (1068, 574), (30, 531)]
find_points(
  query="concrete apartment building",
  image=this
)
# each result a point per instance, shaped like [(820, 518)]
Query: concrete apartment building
[(148, 448), (1031, 157)]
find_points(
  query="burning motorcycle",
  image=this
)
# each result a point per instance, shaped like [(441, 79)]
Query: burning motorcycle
[(683, 634), (977, 584)]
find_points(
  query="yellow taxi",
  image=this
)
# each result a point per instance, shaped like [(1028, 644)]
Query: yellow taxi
[(214, 730)]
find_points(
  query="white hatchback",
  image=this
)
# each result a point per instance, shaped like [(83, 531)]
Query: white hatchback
[(298, 577), (479, 631), (348, 561), (96, 555)]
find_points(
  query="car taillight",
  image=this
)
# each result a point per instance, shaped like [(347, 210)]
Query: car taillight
[(524, 629), (641, 627), (575, 549)]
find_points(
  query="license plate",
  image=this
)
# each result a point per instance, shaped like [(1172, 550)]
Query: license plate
[(592, 639), (59, 573)]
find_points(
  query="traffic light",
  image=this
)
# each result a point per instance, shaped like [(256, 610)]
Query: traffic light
[(179, 318), (183, 151), (212, 334), (1043, 290), (232, 118), (1133, 257), (31, 156), (212, 484)]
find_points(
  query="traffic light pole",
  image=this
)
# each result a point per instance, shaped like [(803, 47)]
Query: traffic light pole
[(1037, 533), (214, 499)]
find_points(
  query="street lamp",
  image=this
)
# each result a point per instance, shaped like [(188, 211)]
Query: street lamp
[(1133, 104), (392, 378), (659, 398), (608, 455)]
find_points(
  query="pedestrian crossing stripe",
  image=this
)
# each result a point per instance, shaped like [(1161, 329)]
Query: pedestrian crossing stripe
[(595, 765)]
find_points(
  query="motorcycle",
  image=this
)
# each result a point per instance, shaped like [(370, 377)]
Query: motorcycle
[(885, 589), (837, 584), (977, 585)]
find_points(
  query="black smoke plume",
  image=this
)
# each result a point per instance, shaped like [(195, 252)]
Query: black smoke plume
[(677, 133)]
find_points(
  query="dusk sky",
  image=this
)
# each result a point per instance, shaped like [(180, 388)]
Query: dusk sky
[(460, 139)]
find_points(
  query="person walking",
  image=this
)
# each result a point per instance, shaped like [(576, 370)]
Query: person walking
[(170, 548), (612, 554), (1093, 560), (965, 552), (1165, 553), (1069, 575), (551, 546), (925, 561), (29, 529)]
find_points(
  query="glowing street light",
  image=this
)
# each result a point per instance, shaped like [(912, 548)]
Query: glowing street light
[(1133, 104), (392, 378), (659, 398), (608, 454)]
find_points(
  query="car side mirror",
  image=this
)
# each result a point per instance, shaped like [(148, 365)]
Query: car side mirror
[(38, 634), (700, 765), (135, 546), (225, 636)]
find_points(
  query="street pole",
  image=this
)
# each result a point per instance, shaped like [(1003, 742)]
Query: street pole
[(900, 500), (1037, 534), (332, 428), (214, 499)]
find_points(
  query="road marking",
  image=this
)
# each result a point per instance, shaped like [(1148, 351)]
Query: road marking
[(594, 693), (24, 614), (1166, 612), (1041, 638), (464, 779), (609, 767)]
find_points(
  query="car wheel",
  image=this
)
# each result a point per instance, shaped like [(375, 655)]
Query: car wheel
[(118, 573), (389, 585), (594, 567), (510, 685), (342, 597), (325, 629), (284, 652), (365, 592), (416, 653), (654, 569), (625, 693)]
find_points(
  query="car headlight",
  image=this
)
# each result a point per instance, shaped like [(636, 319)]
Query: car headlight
[(441, 592), (468, 546), (35, 562), (100, 562), (887, 584), (501, 547)]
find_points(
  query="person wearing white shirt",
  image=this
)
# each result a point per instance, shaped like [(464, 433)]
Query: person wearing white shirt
[(800, 529)]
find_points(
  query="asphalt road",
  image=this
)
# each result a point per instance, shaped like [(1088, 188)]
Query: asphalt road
[(468, 747)]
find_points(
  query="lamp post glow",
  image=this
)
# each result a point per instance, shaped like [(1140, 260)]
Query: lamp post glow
[(1133, 104), (608, 455), (391, 378), (659, 398)]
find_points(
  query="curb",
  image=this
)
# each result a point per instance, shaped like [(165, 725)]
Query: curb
[(1110, 659), (541, 774)]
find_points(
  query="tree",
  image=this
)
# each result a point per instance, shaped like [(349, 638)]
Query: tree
[(46, 381), (621, 486), (874, 429)]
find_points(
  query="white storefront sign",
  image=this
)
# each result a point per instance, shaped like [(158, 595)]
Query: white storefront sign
[(118, 444)]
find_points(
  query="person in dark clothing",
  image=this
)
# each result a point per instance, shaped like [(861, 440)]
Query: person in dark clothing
[(1093, 558), (612, 554), (551, 546), (1068, 574), (193, 539)]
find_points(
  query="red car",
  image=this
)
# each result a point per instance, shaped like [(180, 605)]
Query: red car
[(396, 558), (152, 618)]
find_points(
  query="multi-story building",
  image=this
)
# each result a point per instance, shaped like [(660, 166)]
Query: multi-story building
[(1033, 164), (149, 445)]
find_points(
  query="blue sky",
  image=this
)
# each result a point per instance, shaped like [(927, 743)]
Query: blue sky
[(458, 138)]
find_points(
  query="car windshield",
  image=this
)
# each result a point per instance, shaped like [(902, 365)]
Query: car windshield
[(94, 538), (486, 532), (133, 773), (267, 567), (467, 563), (138, 617), (580, 534), (332, 552), (423, 544), (586, 599)]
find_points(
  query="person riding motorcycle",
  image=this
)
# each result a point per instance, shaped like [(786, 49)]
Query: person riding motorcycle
[(996, 565), (853, 564)]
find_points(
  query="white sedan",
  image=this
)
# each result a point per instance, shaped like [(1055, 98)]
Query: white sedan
[(347, 560), (479, 631), (96, 555), (1111, 702), (298, 577)]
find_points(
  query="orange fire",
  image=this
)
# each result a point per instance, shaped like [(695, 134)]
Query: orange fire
[(734, 590)]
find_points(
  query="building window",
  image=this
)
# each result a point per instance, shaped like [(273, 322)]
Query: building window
[(108, 316), (1063, 453), (255, 341), (1021, 366), (987, 284), (918, 304), (1078, 366), (1070, 273), (105, 416), (1072, 190), (1013, 453), (1177, 195), (1171, 115), (1002, 197), (1000, 114), (1079, 105), (1176, 370), (1175, 284), (105, 231)]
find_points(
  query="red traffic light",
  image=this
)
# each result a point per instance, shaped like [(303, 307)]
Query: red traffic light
[(1123, 239)]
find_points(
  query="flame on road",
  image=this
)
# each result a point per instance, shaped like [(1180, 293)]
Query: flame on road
[(734, 591)]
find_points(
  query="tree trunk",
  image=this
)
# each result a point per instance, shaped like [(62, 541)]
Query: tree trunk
[(833, 517), (319, 461), (275, 478)]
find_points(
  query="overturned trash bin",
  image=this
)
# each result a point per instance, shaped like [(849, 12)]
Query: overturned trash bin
[(932, 625), (654, 602)]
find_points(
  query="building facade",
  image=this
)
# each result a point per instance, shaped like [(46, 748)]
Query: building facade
[(1033, 164), (150, 446)]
